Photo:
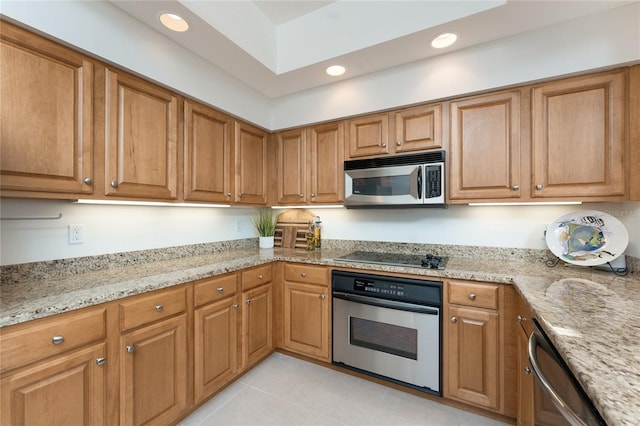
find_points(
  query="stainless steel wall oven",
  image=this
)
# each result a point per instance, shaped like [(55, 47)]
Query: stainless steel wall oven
[(389, 328)]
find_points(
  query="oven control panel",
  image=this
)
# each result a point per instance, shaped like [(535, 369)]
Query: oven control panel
[(424, 292)]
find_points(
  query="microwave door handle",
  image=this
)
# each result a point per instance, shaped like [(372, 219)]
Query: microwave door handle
[(536, 340), (420, 183)]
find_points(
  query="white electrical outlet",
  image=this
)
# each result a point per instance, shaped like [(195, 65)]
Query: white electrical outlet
[(76, 234)]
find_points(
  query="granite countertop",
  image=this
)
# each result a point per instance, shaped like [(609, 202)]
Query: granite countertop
[(592, 317)]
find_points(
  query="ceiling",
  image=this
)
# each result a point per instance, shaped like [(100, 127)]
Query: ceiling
[(283, 47)]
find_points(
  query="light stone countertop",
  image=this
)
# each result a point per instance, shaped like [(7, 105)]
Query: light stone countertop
[(592, 317)]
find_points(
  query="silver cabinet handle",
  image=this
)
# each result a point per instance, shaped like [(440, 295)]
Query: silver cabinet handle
[(472, 296), (301, 195), (521, 318), (228, 194), (159, 308), (130, 348), (515, 187), (539, 186), (248, 301), (240, 194), (384, 145), (101, 361), (260, 277), (313, 195), (88, 181), (114, 184), (322, 297), (398, 143), (303, 274), (454, 320), (56, 340), (527, 370), (235, 306), (220, 290)]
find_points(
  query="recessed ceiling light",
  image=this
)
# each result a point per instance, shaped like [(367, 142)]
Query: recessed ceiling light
[(444, 40), (174, 22), (336, 70)]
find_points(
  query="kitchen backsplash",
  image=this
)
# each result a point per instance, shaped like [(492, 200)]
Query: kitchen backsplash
[(12, 274)]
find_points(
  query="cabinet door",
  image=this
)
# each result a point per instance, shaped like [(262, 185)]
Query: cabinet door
[(291, 152), (66, 390), (250, 164), (326, 163), (46, 123), (141, 124), (306, 319), (153, 373), (216, 335), (418, 128), (257, 325), (485, 147), (207, 154), (578, 137), (474, 366), (369, 135)]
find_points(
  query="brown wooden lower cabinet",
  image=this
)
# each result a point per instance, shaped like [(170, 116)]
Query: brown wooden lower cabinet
[(479, 345), (257, 327)]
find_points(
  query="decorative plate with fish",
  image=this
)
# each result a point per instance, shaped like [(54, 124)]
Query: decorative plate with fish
[(587, 238)]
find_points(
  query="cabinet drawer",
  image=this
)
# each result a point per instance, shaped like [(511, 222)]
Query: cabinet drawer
[(49, 337), (210, 290), (306, 274), (473, 294), (151, 308), (256, 276)]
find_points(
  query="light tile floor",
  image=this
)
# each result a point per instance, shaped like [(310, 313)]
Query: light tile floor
[(287, 391)]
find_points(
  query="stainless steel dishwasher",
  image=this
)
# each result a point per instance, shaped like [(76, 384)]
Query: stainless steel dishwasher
[(554, 381)]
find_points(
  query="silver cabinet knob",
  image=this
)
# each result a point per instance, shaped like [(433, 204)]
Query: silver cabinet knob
[(159, 308), (384, 145), (101, 361), (454, 320), (322, 297), (301, 195), (130, 348), (56, 340), (228, 194), (240, 194), (515, 187), (539, 186), (260, 277), (313, 195), (398, 143), (88, 181), (472, 296), (114, 184), (220, 290), (303, 274), (235, 306), (521, 318), (527, 370), (248, 301)]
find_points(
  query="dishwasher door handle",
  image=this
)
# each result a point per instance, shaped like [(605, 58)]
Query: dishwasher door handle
[(383, 303), (535, 340)]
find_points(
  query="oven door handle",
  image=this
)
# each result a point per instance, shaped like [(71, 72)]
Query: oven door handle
[(383, 303), (536, 340)]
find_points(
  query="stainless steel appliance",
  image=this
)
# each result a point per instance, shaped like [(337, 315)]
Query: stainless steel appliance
[(429, 261), (558, 398), (399, 181), (389, 328)]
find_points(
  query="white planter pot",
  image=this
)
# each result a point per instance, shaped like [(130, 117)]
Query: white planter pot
[(266, 242)]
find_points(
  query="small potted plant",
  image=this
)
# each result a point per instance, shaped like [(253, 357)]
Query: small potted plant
[(265, 223)]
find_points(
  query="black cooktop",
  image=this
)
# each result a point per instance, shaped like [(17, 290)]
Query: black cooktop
[(428, 260)]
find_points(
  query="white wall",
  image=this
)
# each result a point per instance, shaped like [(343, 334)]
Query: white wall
[(111, 229)]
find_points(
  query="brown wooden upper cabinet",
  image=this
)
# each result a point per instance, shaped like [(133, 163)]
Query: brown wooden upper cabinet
[(46, 116), (250, 164), (141, 138), (412, 129), (578, 137), (207, 154), (484, 159), (310, 165)]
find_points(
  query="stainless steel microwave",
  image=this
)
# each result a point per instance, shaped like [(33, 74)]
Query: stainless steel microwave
[(398, 181)]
